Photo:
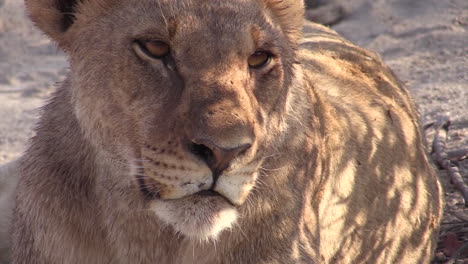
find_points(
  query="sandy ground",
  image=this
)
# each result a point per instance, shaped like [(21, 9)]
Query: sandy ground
[(29, 67), (424, 41)]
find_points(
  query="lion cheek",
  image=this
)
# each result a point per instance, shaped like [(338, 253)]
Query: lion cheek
[(236, 188)]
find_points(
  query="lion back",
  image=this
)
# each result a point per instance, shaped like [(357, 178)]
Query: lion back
[(381, 200)]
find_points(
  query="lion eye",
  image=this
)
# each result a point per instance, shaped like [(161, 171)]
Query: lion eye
[(155, 49), (259, 59)]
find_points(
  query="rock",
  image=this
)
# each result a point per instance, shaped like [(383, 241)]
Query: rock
[(328, 14)]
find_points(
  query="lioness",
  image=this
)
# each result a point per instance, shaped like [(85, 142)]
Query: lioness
[(210, 131)]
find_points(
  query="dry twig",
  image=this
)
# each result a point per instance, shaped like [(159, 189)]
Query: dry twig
[(441, 157), (458, 154), (458, 215)]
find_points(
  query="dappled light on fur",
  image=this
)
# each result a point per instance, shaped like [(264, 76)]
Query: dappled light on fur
[(123, 165)]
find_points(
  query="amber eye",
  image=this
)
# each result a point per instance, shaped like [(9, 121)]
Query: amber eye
[(259, 59), (155, 49)]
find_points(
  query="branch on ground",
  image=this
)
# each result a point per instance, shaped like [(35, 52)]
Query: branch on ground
[(440, 156), (458, 154), (458, 215)]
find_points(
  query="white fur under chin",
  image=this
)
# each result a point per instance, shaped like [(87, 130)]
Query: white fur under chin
[(197, 217)]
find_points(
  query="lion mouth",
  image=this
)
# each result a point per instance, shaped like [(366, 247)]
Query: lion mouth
[(150, 191), (210, 193)]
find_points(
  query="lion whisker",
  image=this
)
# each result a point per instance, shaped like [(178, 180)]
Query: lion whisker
[(267, 169)]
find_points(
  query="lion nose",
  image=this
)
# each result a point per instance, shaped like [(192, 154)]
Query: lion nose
[(215, 156)]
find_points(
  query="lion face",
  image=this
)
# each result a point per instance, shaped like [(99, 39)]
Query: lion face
[(188, 98)]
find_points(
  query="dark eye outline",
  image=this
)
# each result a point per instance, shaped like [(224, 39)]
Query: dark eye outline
[(142, 47), (265, 63)]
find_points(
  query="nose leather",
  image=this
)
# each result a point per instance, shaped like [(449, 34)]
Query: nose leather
[(219, 157)]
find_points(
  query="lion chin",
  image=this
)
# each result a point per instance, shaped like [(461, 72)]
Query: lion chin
[(202, 216)]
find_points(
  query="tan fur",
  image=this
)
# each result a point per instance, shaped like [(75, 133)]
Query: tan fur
[(336, 171), (8, 181)]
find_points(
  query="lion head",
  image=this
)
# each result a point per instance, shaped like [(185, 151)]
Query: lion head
[(191, 118)]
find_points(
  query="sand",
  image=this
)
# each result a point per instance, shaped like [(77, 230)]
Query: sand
[(424, 41), (29, 66)]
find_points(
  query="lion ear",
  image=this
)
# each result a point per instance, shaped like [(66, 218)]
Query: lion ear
[(290, 16), (54, 17)]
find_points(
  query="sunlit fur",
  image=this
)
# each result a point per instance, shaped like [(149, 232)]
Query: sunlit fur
[(336, 171), (187, 217)]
